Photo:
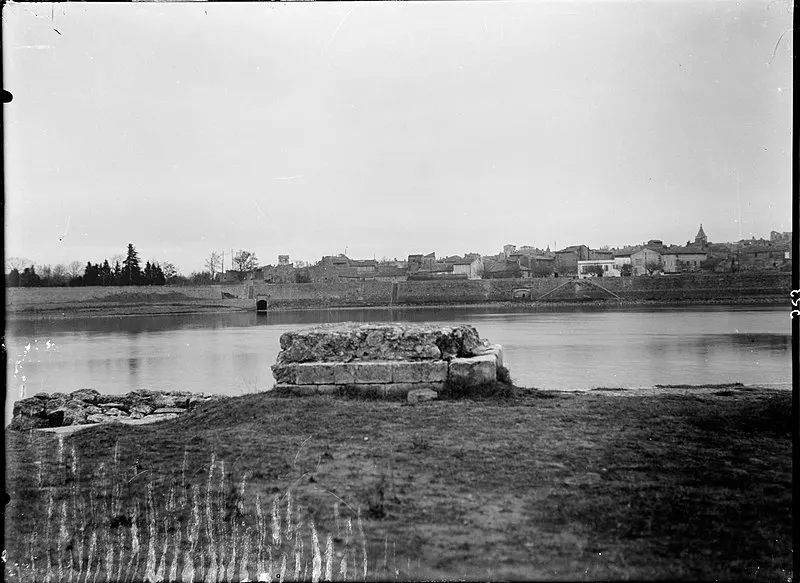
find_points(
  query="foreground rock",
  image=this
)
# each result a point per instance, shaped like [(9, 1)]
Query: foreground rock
[(87, 406), (384, 360)]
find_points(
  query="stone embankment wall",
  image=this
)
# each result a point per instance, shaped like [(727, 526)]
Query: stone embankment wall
[(689, 287), (87, 406), (658, 288), (390, 361), (20, 299)]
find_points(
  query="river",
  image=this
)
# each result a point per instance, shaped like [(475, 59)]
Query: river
[(568, 349)]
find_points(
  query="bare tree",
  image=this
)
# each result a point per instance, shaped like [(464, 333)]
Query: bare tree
[(213, 263), (170, 271), (245, 261), (75, 268), (18, 263)]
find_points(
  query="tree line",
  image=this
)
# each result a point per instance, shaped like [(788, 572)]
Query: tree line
[(126, 272)]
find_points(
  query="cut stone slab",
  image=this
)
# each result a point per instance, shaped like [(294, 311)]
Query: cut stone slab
[(370, 373), (162, 410), (475, 371), (419, 372), (493, 349), (421, 395), (314, 374)]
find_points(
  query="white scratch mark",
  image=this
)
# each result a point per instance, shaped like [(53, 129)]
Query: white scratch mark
[(260, 212), (335, 32)]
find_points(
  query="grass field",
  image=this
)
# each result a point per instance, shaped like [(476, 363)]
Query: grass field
[(546, 485)]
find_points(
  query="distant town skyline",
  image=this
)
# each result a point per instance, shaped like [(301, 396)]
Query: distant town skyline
[(385, 129)]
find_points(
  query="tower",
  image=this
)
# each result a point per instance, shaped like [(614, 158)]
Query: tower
[(700, 239)]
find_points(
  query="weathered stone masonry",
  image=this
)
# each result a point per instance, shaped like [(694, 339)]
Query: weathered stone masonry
[(395, 360)]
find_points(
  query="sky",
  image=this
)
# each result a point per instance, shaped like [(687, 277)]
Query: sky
[(385, 129)]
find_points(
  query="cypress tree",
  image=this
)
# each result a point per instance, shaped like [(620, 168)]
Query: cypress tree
[(131, 272)]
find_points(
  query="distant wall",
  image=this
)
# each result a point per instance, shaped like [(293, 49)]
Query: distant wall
[(386, 293), (662, 288), (21, 297), (301, 295)]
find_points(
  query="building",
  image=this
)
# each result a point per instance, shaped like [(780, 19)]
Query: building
[(700, 240), (683, 259), (588, 268), (622, 257), (471, 267), (419, 262), (648, 256), (566, 263), (776, 237), (501, 269), (534, 262)]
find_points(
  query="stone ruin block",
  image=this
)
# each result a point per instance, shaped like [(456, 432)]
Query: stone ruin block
[(421, 395), (389, 360), (474, 371), (351, 341)]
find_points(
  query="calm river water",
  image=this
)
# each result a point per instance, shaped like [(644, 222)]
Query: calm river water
[(231, 353)]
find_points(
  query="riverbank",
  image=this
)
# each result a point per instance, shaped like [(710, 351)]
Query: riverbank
[(687, 289), (101, 309), (691, 482)]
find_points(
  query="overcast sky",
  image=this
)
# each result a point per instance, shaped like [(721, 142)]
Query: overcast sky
[(391, 128)]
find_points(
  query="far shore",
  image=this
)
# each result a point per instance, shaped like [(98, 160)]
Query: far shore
[(195, 307)]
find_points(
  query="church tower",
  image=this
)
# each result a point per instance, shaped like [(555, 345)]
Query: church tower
[(700, 239)]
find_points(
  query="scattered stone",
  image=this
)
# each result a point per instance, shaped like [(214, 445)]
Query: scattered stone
[(114, 412), (113, 405), (88, 406), (86, 395), (422, 395), (30, 407), (29, 414), (141, 409), (74, 413), (101, 418), (162, 410), (154, 418), (54, 403)]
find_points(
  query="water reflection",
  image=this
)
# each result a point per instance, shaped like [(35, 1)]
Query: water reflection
[(567, 349)]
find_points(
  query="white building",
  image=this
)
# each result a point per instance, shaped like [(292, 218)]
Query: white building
[(609, 266)]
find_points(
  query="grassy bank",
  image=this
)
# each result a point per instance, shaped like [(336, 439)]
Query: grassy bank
[(544, 485), (100, 308)]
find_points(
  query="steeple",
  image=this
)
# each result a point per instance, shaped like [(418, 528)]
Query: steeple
[(700, 239)]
